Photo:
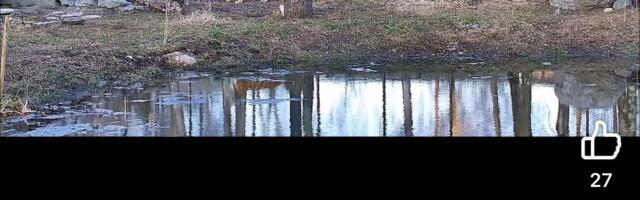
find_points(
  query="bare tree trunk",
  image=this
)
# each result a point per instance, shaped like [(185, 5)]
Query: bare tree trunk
[(496, 106), (227, 101), (255, 94), (319, 131), (384, 104), (298, 8), (406, 105), (578, 122), (295, 107), (521, 102), (152, 113), (241, 110), (436, 132), (307, 105), (454, 128), (562, 125)]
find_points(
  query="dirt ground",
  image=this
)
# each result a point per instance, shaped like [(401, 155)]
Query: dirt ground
[(61, 63)]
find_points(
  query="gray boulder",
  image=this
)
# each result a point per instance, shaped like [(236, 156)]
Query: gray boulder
[(68, 2), (85, 3), (621, 4), (6, 11), (90, 17), (179, 59), (586, 4), (113, 3), (582, 4), (21, 3), (563, 4), (99, 3)]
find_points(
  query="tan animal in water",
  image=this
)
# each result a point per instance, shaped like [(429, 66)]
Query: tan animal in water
[(241, 86)]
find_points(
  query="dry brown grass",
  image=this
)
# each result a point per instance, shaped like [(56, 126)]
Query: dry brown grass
[(45, 63), (518, 27), (430, 7), (198, 18), (597, 29)]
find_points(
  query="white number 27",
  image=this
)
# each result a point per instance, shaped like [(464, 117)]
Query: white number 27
[(595, 183)]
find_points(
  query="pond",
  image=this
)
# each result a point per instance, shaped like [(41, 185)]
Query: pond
[(357, 102)]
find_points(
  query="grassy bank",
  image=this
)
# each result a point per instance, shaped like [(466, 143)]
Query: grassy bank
[(56, 62)]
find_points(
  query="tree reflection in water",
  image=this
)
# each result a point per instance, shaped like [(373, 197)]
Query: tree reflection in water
[(535, 103)]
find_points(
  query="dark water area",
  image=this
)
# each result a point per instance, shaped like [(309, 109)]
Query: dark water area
[(358, 102)]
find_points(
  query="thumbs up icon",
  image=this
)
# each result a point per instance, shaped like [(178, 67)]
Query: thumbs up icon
[(591, 140)]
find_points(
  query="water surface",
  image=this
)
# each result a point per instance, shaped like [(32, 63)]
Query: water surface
[(362, 102)]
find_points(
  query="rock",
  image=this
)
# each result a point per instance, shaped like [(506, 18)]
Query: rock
[(20, 3), (472, 26), (179, 59), (5, 11), (67, 2), (52, 18), (88, 17), (588, 4), (608, 10), (45, 23), (99, 3), (85, 3), (131, 8), (73, 21), (113, 3), (625, 73), (71, 15), (362, 69), (56, 13), (79, 3), (622, 4), (581, 4), (547, 64)]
